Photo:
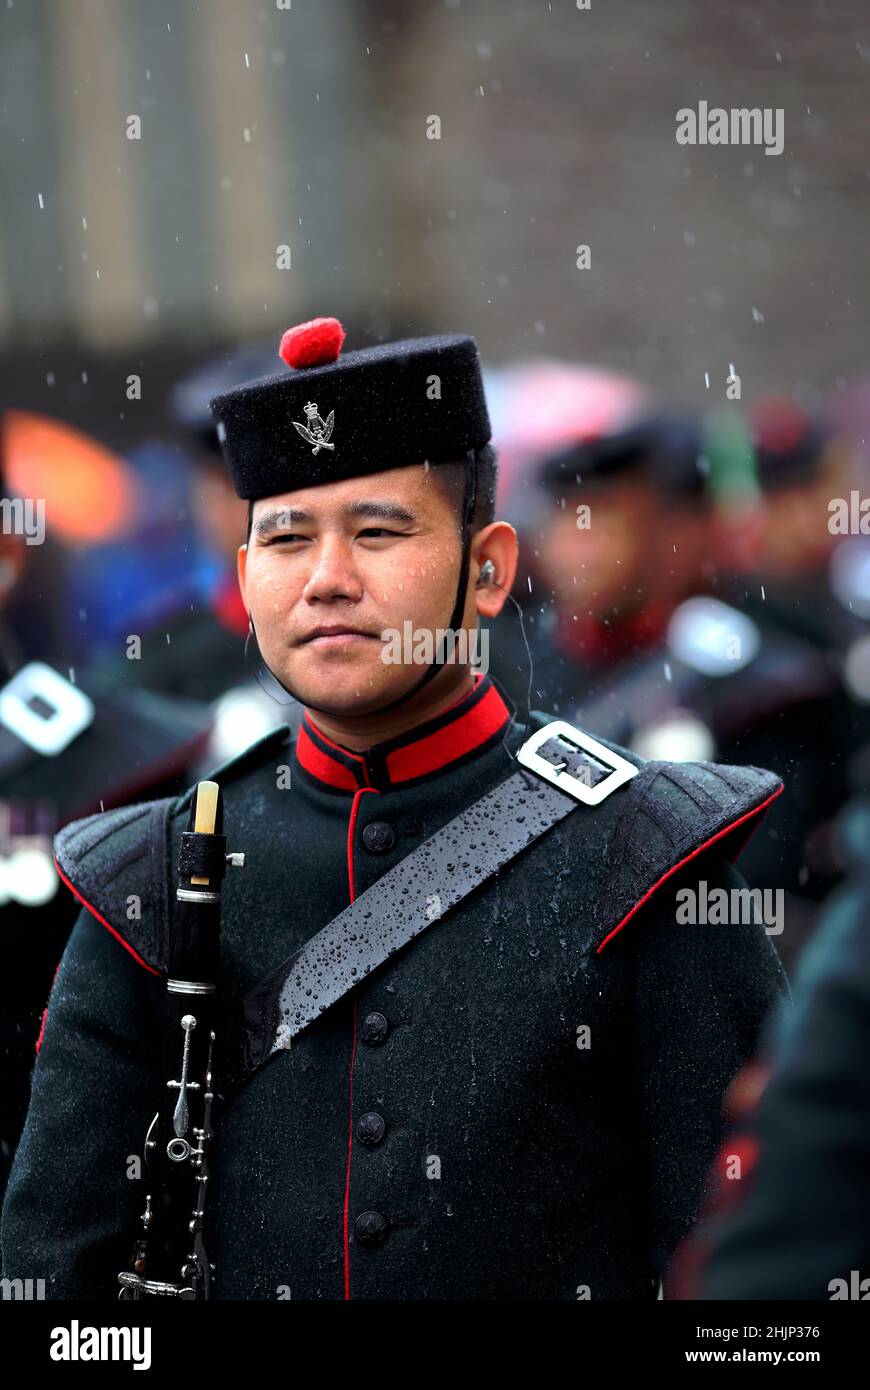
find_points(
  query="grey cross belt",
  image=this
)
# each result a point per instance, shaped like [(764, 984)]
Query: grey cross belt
[(425, 885)]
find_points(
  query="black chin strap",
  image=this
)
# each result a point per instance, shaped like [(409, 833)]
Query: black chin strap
[(278, 690)]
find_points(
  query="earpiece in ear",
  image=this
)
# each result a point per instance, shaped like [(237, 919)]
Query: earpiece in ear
[(487, 574)]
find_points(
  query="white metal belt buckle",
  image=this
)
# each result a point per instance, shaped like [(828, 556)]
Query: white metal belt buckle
[(42, 709), (621, 771)]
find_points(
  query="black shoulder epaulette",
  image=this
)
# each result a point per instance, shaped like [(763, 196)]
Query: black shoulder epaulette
[(669, 814), (117, 862)]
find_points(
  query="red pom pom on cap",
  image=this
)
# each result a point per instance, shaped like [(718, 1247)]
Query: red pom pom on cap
[(312, 344)]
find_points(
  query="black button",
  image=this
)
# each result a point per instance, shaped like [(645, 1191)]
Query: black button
[(371, 1128), (370, 1228), (374, 1029), (378, 836)]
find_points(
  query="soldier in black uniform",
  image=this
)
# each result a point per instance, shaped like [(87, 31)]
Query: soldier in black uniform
[(70, 744), (597, 604), (810, 725), (199, 652), (681, 665), (521, 1101), (793, 1222)]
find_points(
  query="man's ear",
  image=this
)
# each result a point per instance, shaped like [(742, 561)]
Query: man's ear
[(242, 572), (497, 543)]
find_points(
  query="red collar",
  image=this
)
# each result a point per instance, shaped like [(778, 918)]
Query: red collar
[(456, 734)]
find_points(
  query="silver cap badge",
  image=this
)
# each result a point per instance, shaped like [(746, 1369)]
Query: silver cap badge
[(318, 432)]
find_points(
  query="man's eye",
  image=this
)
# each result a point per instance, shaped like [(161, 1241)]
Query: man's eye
[(285, 537)]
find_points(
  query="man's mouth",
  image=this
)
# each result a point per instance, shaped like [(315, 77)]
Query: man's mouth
[(336, 636)]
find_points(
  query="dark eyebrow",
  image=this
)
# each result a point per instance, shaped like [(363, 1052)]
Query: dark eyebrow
[(383, 511), (284, 518), (280, 519)]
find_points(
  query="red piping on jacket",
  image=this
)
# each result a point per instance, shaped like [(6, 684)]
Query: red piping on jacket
[(44, 1017), (94, 913), (45, 1012), (726, 830), (351, 826)]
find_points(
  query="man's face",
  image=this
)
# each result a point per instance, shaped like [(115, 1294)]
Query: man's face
[(600, 566), (220, 514), (796, 536), (329, 570)]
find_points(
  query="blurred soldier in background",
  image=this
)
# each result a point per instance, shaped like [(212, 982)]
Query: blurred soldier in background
[(811, 730), (70, 743), (813, 577), (200, 653), (638, 630), (788, 1208), (594, 601)]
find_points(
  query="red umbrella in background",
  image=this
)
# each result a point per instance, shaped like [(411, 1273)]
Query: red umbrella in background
[(91, 495), (541, 405)]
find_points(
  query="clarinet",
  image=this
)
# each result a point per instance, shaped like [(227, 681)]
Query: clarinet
[(170, 1256)]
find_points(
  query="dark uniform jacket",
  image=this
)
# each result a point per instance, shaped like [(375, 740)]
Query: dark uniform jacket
[(138, 744), (797, 1225), (447, 1129)]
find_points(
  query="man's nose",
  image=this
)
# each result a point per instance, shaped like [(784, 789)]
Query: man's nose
[(333, 573)]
